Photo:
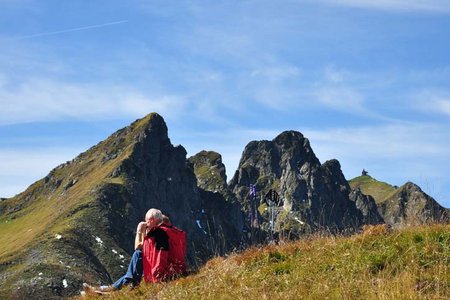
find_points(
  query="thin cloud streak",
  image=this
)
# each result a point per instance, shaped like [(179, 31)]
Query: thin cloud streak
[(70, 30), (433, 6)]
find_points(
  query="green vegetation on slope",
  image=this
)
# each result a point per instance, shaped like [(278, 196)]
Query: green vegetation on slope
[(379, 190), (50, 201), (55, 204), (413, 263)]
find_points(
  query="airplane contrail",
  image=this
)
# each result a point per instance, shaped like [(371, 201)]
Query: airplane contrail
[(71, 30)]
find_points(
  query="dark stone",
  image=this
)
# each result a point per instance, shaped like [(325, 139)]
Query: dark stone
[(409, 205), (317, 194)]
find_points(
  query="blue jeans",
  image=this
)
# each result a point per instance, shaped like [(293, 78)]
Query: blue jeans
[(134, 272)]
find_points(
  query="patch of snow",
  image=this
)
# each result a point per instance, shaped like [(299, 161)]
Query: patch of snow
[(40, 274), (61, 262), (200, 226), (65, 283), (122, 266), (58, 236), (300, 221), (114, 251), (121, 256), (99, 240)]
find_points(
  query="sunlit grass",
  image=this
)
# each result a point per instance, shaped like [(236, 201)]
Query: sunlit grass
[(413, 263), (379, 190)]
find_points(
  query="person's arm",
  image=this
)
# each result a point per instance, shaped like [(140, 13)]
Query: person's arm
[(140, 234)]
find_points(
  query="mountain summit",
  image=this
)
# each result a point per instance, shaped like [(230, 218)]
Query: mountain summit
[(399, 206), (78, 223), (315, 195)]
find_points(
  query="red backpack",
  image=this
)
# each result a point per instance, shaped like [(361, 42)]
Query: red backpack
[(177, 250)]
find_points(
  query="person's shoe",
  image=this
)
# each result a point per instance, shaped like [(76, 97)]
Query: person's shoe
[(106, 288), (88, 288)]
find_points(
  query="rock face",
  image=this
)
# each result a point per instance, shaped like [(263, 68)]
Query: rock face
[(210, 171), (217, 199), (409, 205), (366, 204), (315, 195), (78, 223), (397, 206)]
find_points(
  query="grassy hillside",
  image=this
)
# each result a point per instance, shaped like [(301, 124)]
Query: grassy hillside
[(379, 190), (45, 204), (413, 263), (54, 206)]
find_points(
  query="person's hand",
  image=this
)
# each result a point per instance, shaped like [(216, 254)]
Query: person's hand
[(142, 226)]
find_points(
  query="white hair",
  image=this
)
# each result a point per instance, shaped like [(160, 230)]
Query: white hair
[(154, 213)]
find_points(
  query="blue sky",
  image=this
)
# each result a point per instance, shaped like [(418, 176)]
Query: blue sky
[(368, 82)]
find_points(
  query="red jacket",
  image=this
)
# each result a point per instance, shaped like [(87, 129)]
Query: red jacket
[(164, 251)]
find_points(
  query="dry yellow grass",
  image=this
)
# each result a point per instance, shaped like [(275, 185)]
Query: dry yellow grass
[(412, 263)]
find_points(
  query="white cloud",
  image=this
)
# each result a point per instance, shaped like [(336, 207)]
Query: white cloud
[(337, 90), (334, 75), (276, 72), (20, 168), (405, 141), (392, 153), (432, 101), (340, 98), (46, 100), (435, 6), (444, 106)]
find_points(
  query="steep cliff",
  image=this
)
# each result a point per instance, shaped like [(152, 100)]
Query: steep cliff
[(218, 200), (316, 196), (78, 223), (398, 206), (409, 205)]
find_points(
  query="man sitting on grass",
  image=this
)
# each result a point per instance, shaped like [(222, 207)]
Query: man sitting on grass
[(160, 250)]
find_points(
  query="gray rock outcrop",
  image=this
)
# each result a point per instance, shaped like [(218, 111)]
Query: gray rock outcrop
[(409, 205), (316, 195)]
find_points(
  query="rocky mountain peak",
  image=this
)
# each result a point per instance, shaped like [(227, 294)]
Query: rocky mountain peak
[(209, 170), (412, 187), (152, 127), (410, 205), (92, 205), (398, 206), (289, 137), (314, 194)]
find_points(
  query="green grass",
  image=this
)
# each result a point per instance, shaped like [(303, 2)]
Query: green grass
[(30, 219), (413, 263), (42, 207), (379, 190)]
